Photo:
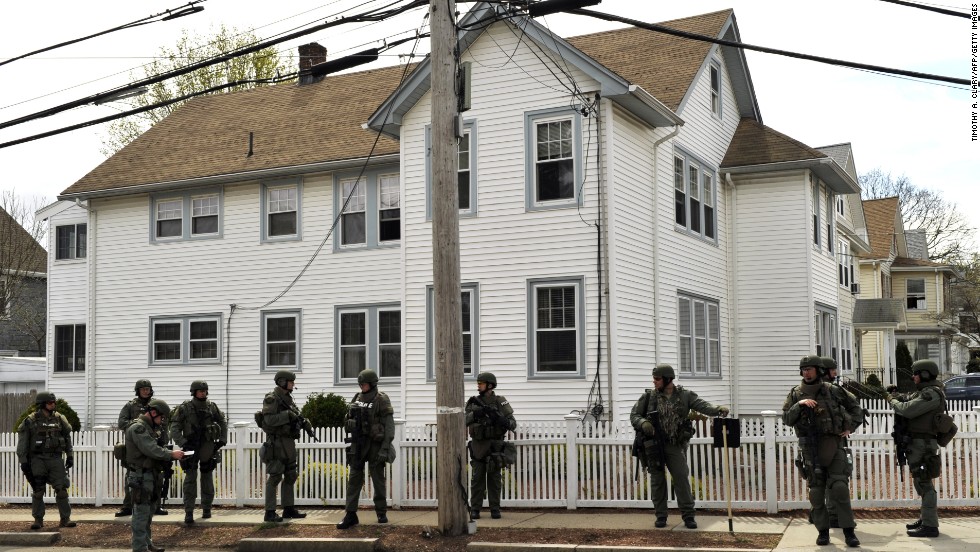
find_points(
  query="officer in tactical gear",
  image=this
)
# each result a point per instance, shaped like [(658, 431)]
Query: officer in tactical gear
[(199, 425), (488, 418), (663, 414), (281, 421), (830, 376), (130, 411), (823, 416), (370, 426), (146, 460), (920, 408), (44, 436)]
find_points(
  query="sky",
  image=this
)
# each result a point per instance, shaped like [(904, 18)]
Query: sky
[(900, 125)]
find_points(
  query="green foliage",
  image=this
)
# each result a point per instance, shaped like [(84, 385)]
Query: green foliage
[(973, 367), (873, 381), (263, 64), (333, 476), (903, 363), (325, 410), (60, 406)]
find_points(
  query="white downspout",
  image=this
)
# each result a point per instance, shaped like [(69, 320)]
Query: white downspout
[(90, 341), (656, 241), (608, 259), (734, 370)]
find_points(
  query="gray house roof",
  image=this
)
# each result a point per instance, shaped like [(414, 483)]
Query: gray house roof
[(879, 314)]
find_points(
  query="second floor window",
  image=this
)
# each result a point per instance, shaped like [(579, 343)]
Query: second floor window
[(188, 216), (353, 225), (204, 215), (389, 208), (282, 205), (170, 218), (71, 241), (185, 339), (554, 163), (694, 196), (915, 294)]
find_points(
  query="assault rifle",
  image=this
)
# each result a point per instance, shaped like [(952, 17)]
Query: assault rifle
[(488, 415), (301, 423), (902, 441), (28, 474), (810, 441), (655, 447), (356, 440), (168, 475)]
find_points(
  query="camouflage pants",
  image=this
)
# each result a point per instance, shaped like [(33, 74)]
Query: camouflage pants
[(676, 463), (145, 487), (923, 454), (830, 485), (49, 469)]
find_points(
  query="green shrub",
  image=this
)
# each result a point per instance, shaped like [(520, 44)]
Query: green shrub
[(873, 381), (325, 410), (60, 406), (903, 371)]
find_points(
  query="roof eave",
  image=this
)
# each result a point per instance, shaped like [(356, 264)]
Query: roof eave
[(826, 168), (855, 238), (648, 108), (229, 178)]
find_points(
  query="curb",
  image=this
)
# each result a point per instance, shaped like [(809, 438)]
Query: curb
[(306, 545), (517, 547), (29, 539)]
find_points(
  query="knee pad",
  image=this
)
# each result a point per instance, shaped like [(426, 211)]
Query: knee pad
[(839, 491), (61, 493), (38, 494), (291, 477)]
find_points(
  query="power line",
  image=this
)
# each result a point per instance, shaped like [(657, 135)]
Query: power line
[(167, 15), (370, 15), (928, 8), (702, 38)]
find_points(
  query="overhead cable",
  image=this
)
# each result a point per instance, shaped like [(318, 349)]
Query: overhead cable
[(929, 8)]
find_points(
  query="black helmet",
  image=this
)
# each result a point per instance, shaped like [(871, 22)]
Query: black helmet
[(43, 397), (198, 385), (367, 376), (160, 406), (488, 378), (284, 376), (664, 371), (926, 365), (811, 360), (828, 364), (143, 383)]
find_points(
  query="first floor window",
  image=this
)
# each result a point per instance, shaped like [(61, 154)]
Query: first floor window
[(825, 322), (281, 340), (170, 218), (69, 348), (469, 320), (203, 336), (185, 339), (699, 334), (166, 340), (556, 324), (282, 204), (369, 337), (844, 363), (71, 241)]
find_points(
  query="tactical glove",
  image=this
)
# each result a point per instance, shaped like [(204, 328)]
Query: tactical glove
[(26, 468), (383, 455), (723, 411), (221, 443), (69, 462), (647, 428)]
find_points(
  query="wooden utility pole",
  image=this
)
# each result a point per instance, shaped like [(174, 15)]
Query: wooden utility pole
[(451, 479)]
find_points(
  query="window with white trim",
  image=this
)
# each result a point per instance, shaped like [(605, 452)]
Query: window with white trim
[(282, 211), (463, 173), (843, 265), (389, 208), (826, 334), (694, 196), (368, 206), (281, 333), (699, 331), (553, 162), (845, 362), (189, 339), (469, 322), (840, 204), (71, 241), (715, 77), (368, 336), (187, 216), (815, 210), (830, 219), (69, 348), (915, 294), (466, 177), (170, 219), (204, 214), (556, 327), (353, 227)]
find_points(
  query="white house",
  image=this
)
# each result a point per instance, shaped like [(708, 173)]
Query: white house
[(622, 204)]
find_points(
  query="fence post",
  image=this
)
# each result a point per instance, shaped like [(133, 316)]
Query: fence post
[(571, 454), (241, 435), (398, 467), (769, 430), (101, 466)]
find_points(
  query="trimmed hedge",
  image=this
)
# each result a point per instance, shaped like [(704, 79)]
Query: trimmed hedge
[(59, 406)]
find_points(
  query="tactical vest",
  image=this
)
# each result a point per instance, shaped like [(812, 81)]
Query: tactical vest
[(366, 416), (198, 424), (282, 404), (682, 430), (829, 414), (483, 431), (925, 423), (47, 437), (135, 458)]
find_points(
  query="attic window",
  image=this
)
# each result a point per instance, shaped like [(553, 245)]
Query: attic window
[(715, 70)]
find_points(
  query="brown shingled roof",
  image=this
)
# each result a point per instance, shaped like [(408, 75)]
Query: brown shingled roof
[(292, 125), (756, 144), (880, 216), (19, 251), (664, 65)]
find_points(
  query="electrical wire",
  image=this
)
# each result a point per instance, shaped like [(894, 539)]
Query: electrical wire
[(928, 8)]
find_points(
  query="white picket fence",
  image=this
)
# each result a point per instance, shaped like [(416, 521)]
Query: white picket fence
[(560, 464)]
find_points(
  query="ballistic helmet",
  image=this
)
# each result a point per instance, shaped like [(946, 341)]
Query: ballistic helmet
[(285, 375), (664, 371), (488, 378), (44, 396), (160, 406), (367, 376), (198, 385), (143, 383), (926, 365), (812, 360), (828, 364)]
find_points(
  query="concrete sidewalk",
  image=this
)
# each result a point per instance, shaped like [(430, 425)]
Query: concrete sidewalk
[(957, 534)]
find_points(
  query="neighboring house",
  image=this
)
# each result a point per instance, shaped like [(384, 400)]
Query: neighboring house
[(616, 210), (903, 299), (22, 290), (22, 374)]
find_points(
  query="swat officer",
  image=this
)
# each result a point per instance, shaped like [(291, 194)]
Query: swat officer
[(281, 421), (146, 460), (920, 408), (370, 425), (44, 436), (488, 418), (823, 417), (199, 425), (130, 411), (830, 376), (662, 414)]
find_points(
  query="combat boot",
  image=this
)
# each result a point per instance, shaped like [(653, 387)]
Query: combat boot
[(382, 517), (189, 518), (923, 531), (850, 538), (690, 523), (661, 522), (270, 515), (67, 523), (495, 513), (161, 512), (206, 514), (123, 512), (38, 523), (350, 520), (292, 513), (914, 525), (154, 548), (475, 513), (823, 538)]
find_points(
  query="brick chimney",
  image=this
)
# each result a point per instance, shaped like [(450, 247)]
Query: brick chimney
[(310, 55)]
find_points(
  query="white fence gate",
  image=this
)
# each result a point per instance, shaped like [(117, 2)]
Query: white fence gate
[(560, 464)]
